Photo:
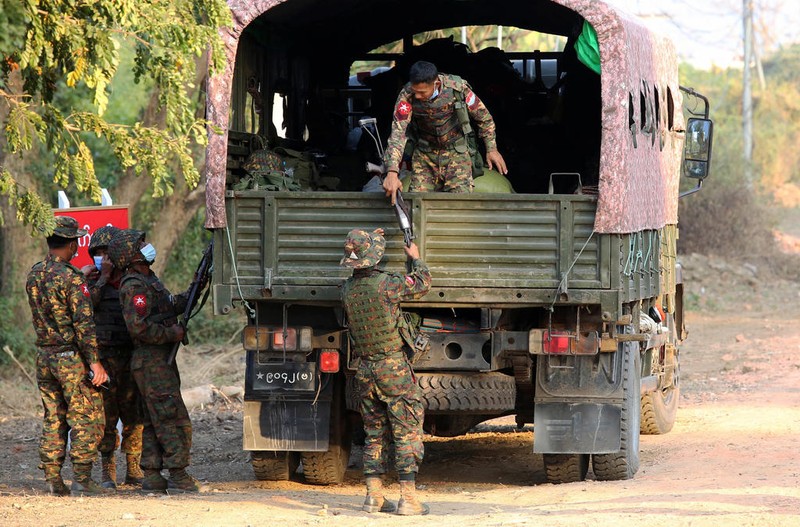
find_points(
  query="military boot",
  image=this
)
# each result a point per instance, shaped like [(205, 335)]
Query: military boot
[(109, 470), (83, 482), (55, 484), (375, 502), (409, 505), (153, 480), (180, 481), (133, 474)]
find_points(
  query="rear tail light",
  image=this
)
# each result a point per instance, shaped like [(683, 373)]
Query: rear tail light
[(263, 338), (557, 343), (329, 361)]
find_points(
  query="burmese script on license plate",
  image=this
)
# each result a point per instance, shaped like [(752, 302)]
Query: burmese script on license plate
[(287, 376)]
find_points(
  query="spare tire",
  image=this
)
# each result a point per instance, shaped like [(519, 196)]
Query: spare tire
[(486, 393)]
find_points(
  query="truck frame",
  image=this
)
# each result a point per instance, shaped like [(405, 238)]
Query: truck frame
[(560, 304)]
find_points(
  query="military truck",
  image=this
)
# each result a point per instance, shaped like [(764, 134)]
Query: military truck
[(560, 303)]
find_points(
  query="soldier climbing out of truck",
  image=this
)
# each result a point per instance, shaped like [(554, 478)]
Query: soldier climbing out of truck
[(433, 112)]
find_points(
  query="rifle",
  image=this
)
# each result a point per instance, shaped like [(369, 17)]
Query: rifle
[(201, 278), (401, 211)]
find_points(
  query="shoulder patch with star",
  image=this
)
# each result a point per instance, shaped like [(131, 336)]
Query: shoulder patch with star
[(140, 304)]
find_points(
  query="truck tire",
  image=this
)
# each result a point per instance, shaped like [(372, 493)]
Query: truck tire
[(566, 468), (274, 466), (660, 408), (328, 468), (624, 463), (492, 393)]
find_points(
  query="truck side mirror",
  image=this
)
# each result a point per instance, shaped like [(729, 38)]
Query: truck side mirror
[(697, 148)]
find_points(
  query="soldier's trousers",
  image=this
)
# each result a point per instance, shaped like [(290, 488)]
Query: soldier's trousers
[(167, 433), (71, 405), (121, 402), (441, 169), (392, 410)]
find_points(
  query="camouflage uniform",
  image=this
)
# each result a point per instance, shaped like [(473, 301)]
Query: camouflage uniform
[(121, 399), (65, 337), (441, 159), (150, 313), (391, 401)]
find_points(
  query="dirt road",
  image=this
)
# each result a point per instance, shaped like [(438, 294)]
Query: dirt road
[(731, 460)]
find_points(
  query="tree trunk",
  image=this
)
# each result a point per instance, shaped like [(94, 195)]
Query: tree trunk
[(18, 251)]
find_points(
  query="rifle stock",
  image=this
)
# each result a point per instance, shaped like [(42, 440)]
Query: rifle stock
[(201, 279)]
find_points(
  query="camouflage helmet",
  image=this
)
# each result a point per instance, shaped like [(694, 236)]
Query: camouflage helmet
[(363, 249), (101, 238), (123, 249)]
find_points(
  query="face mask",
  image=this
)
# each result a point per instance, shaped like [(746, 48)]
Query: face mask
[(435, 93), (149, 253), (75, 254), (97, 261)]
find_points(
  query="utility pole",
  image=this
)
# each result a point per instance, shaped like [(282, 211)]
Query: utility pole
[(747, 93)]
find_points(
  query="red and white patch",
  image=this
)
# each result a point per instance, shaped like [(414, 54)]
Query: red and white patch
[(85, 290), (140, 304), (402, 110), (471, 99), (410, 281)]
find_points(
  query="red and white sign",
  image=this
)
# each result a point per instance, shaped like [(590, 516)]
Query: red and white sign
[(91, 219)]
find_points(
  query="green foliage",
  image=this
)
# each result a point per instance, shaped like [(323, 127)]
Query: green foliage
[(726, 218), (52, 47)]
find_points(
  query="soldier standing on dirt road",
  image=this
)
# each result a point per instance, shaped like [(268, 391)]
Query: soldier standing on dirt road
[(391, 402), (121, 399), (427, 110), (150, 313), (65, 337)]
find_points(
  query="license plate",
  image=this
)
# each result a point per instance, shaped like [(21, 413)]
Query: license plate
[(293, 376)]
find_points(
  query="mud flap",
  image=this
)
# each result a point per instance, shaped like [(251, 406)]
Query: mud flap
[(283, 423), (576, 428)]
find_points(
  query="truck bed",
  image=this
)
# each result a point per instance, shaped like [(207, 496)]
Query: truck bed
[(482, 249)]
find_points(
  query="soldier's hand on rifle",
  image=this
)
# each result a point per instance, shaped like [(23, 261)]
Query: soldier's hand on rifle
[(100, 376), (180, 333), (391, 184), (412, 251)]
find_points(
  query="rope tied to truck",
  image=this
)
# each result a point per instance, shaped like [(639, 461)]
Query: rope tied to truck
[(251, 312), (562, 285)]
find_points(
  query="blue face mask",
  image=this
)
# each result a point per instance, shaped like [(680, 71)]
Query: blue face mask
[(97, 261), (435, 93), (149, 253)]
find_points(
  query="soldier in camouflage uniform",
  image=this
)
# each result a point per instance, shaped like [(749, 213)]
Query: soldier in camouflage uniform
[(391, 401), (121, 399), (150, 313), (429, 109), (65, 337)]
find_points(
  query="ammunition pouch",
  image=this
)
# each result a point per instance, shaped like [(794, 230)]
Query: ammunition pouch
[(417, 343)]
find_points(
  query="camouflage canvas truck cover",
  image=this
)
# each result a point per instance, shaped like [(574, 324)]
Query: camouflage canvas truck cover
[(559, 303)]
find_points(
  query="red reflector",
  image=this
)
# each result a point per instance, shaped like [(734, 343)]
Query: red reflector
[(555, 343), (329, 361)]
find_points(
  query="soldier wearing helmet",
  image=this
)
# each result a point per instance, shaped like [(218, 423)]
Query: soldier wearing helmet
[(150, 313), (121, 398), (66, 346), (391, 402)]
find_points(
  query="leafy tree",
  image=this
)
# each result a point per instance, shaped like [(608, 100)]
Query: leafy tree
[(70, 45)]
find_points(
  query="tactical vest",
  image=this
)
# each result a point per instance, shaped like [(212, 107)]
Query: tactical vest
[(163, 312), (373, 328), (112, 333), (435, 126)]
